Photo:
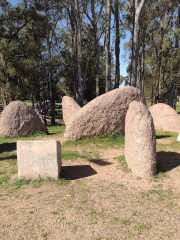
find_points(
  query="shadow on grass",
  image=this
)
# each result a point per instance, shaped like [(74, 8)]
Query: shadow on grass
[(7, 147), (77, 172), (8, 158), (100, 162), (163, 136), (167, 161)]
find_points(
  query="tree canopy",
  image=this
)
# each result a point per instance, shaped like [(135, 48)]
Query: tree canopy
[(72, 47)]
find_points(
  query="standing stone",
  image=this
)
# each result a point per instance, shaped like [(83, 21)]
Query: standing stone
[(39, 159), (140, 140), (165, 117), (19, 119), (104, 115), (69, 109)]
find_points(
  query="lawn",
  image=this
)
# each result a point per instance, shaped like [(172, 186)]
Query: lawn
[(96, 197)]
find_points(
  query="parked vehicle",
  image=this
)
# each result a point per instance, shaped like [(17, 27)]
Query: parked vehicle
[(57, 106), (44, 110), (33, 106), (59, 101)]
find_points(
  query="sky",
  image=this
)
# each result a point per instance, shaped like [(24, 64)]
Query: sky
[(123, 61)]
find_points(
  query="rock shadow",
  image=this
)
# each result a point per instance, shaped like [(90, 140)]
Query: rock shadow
[(167, 161), (8, 158), (77, 172), (100, 162), (7, 147), (163, 136)]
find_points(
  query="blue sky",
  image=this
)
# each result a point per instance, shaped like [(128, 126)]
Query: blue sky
[(123, 61)]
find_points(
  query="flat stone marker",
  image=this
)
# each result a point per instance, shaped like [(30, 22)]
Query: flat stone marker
[(39, 159)]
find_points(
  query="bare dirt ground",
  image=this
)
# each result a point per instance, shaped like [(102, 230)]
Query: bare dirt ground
[(100, 201)]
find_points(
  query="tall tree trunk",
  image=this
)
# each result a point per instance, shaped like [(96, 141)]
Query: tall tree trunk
[(159, 58), (3, 98), (96, 40), (140, 72), (143, 61), (173, 94), (50, 68), (73, 21), (75, 62), (97, 64), (135, 41), (173, 91), (117, 48), (79, 57), (107, 46)]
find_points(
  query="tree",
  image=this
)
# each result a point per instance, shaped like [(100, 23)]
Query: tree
[(135, 41), (15, 48), (173, 90), (107, 45), (117, 42)]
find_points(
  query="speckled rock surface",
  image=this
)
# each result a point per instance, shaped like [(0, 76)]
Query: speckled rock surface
[(165, 118), (104, 115), (140, 140), (19, 119), (69, 109)]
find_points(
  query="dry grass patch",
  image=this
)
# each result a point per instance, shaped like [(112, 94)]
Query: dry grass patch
[(97, 196)]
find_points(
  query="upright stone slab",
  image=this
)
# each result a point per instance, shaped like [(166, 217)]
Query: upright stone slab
[(39, 159), (140, 140), (69, 109)]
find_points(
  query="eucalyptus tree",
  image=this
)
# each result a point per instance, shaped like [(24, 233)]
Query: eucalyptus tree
[(175, 80), (84, 22), (107, 45), (117, 43), (135, 41), (94, 18), (15, 47)]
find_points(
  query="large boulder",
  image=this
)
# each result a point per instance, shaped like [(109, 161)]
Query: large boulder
[(165, 118), (104, 115), (19, 119), (140, 141), (69, 109)]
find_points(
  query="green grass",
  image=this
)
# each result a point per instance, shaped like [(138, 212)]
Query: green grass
[(123, 164), (111, 141), (39, 182), (56, 130), (148, 104), (69, 155), (44, 235), (28, 102), (178, 106)]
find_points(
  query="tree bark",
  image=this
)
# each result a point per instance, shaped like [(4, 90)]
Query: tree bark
[(107, 46), (173, 90), (79, 56), (97, 65), (173, 94), (3, 98), (50, 68), (117, 48), (135, 42)]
